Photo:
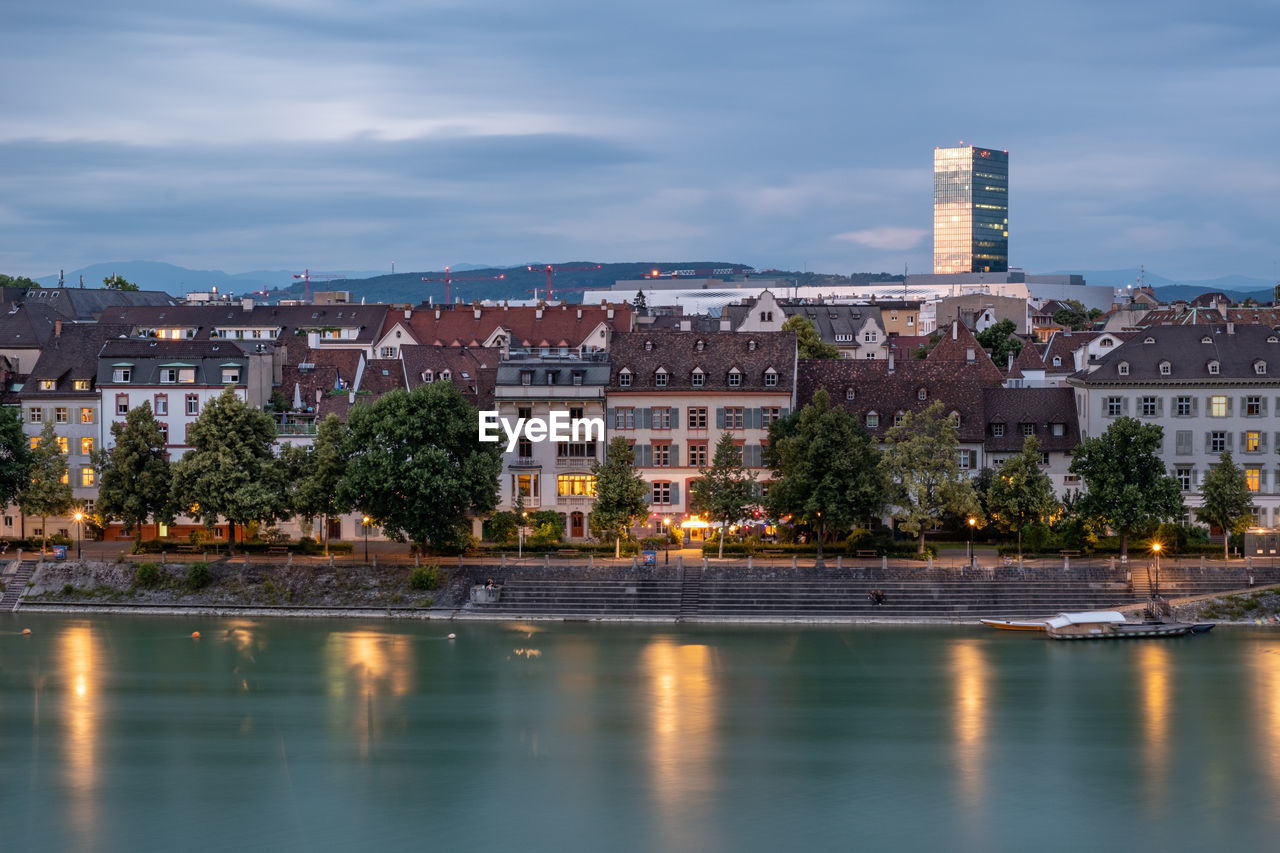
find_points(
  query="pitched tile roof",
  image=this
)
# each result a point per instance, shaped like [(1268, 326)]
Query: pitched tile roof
[(1240, 353), (527, 325), (643, 353), (1037, 408)]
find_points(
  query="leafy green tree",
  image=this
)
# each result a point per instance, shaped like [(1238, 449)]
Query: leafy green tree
[(1228, 503), (1001, 340), (808, 340), (135, 478), (922, 460), (416, 465), (826, 469), (15, 456), (18, 281), (47, 492), (1072, 320), (1126, 487), (115, 281), (622, 497), (316, 473), (231, 471), (641, 304), (1020, 493), (724, 491)]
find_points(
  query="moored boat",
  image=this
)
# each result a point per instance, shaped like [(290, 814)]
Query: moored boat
[(1110, 625), (1014, 624)]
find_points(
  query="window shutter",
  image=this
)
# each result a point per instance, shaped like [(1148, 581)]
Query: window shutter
[(786, 412), (675, 456), (720, 418), (646, 419), (675, 493), (1160, 406), (1231, 440), (1124, 405), (1208, 442), (1230, 405), (1262, 478), (608, 419), (1195, 405), (675, 417), (1262, 441), (973, 460)]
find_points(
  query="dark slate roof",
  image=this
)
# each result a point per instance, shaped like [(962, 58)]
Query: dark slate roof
[(85, 305), (1039, 407), (876, 387), (1237, 350), (148, 356), (71, 355), (471, 370), (832, 320), (553, 372), (24, 326), (678, 353)]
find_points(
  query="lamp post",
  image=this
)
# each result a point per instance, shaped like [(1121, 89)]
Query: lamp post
[(972, 523), (1155, 589), (666, 537), (524, 517), (79, 532), (366, 521)]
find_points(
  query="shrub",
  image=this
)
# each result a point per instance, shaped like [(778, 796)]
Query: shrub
[(147, 575), (545, 534), (199, 576), (424, 577)]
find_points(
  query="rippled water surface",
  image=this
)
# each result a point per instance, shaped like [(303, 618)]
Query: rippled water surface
[(122, 733)]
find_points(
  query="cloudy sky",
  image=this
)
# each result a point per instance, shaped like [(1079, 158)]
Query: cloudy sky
[(351, 134)]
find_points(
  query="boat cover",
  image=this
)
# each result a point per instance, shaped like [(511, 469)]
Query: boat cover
[(1085, 617)]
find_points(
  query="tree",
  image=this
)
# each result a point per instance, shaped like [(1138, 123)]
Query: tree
[(826, 469), (724, 491), (115, 281), (47, 492), (1070, 319), (18, 281), (1001, 340), (923, 464), (808, 341), (1126, 487), (416, 465), (1020, 493), (135, 477), (621, 496), (316, 474), (231, 471), (641, 304), (15, 456), (1228, 502)]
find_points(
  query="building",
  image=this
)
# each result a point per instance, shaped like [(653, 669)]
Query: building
[(970, 210), (1210, 388)]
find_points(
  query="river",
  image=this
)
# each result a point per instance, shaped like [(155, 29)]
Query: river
[(125, 733)]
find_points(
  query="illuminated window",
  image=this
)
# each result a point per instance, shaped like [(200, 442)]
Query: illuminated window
[(86, 415), (576, 485), (62, 443), (48, 384), (1218, 406), (86, 446), (1253, 478), (1252, 441), (86, 475), (35, 442)]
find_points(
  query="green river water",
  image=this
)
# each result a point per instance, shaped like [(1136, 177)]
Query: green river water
[(124, 733)]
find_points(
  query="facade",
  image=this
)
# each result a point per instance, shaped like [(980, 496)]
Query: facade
[(673, 394), (1210, 388), (970, 210)]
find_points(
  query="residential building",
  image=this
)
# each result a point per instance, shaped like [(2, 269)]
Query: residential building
[(970, 210)]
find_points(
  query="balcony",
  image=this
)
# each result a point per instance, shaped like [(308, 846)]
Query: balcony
[(297, 428), (582, 462), (574, 500), (525, 462)]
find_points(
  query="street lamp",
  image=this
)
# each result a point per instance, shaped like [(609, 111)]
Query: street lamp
[(79, 532), (366, 521), (972, 523), (524, 517), (1155, 589), (666, 537)]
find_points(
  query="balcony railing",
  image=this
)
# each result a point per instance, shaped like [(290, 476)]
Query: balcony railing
[(574, 500), (308, 428), (583, 462)]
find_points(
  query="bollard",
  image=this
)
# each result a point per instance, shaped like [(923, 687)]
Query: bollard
[(1202, 564), (704, 562), (375, 561), (163, 555), (930, 563), (1112, 561), (1248, 564), (884, 563), (793, 561), (749, 562), (504, 561), (635, 562), (1066, 562), (289, 562), (591, 559), (546, 561), (680, 562), (331, 561), (839, 561)]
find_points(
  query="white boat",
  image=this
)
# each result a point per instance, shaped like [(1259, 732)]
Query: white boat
[(1109, 625)]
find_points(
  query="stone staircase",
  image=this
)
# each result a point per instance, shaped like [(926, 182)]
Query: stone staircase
[(589, 598), (690, 593), (16, 584)]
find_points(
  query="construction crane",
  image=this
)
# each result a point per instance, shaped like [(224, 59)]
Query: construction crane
[(551, 269), (699, 273), (307, 275), (449, 278)]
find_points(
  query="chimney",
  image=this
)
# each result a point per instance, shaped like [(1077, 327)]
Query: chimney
[(246, 304), (1009, 369), (408, 313), (1231, 328), (725, 325), (537, 312), (476, 312), (686, 325), (57, 328), (579, 313), (437, 313), (955, 331), (609, 313), (891, 367)]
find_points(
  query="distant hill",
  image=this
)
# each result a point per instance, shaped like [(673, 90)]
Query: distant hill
[(1237, 287), (156, 275)]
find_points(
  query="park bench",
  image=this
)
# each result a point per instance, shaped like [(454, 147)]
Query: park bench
[(187, 549), (568, 552), (1069, 552), (277, 551), (772, 552), (866, 553)]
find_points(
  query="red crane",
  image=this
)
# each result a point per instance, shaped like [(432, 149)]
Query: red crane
[(551, 269), (449, 278), (307, 275), (699, 273)]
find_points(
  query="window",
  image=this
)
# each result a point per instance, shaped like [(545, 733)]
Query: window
[(1057, 361), (1213, 368), (1028, 429), (624, 418), (1252, 441), (35, 416), (60, 415), (922, 393), (62, 443), (1253, 478), (576, 485), (966, 459), (168, 375), (768, 415), (86, 446), (86, 475), (873, 420), (524, 485), (661, 417), (86, 415), (1217, 442), (954, 417), (1182, 442), (624, 379), (122, 374), (697, 417), (849, 394), (997, 430), (1165, 368), (735, 378), (1218, 406), (1253, 406), (1183, 475), (1260, 368), (193, 404), (230, 375), (697, 378), (35, 442), (1182, 407), (660, 378), (662, 456), (524, 449), (387, 352), (661, 492), (122, 404), (1115, 407), (770, 378), (1123, 368), (161, 404), (576, 450), (698, 454), (48, 384), (524, 412), (1059, 429), (733, 418), (870, 336), (898, 418), (526, 377), (164, 432), (1149, 407)]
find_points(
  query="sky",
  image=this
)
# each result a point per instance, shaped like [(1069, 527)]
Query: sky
[(799, 135)]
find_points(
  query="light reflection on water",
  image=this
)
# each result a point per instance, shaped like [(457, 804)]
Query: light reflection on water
[(123, 734)]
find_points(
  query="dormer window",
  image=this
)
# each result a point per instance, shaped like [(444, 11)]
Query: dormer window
[(1213, 368), (1148, 340), (624, 378), (648, 346), (428, 376), (48, 384), (954, 417), (849, 394), (1260, 367), (897, 418), (660, 378), (1123, 368), (445, 375), (873, 420), (922, 393), (1206, 340), (751, 345), (1105, 343), (735, 378), (1166, 369), (770, 378), (700, 345), (1057, 361), (697, 378)]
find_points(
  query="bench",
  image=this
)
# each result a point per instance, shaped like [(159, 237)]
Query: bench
[(866, 553), (568, 552), (772, 552), (277, 551), (1070, 552), (186, 549)]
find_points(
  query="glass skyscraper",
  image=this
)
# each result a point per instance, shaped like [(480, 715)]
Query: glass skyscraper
[(970, 210)]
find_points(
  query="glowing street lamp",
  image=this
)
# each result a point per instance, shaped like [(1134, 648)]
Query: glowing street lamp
[(79, 516), (1155, 589), (524, 519), (972, 523), (666, 537), (366, 521)]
